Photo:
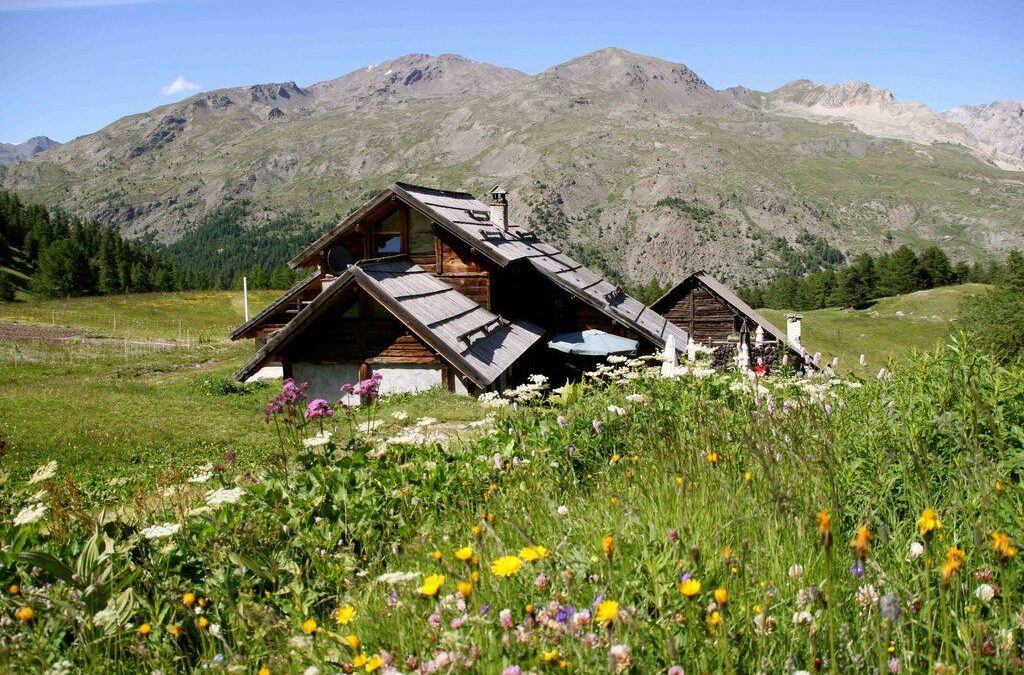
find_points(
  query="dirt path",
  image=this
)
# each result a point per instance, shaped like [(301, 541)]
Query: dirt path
[(37, 332)]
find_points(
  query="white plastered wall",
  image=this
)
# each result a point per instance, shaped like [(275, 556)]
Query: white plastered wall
[(325, 379)]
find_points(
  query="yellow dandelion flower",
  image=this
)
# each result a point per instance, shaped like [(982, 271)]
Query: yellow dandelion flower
[(721, 595), (175, 630), (747, 477), (145, 629), (359, 660), (344, 614), (712, 457), (189, 599), (475, 576), (1002, 546), (679, 480), (607, 545), (615, 458), (464, 553), (550, 656), (374, 663), (203, 622), (465, 588), (431, 584), (309, 626), (715, 618), (352, 640), (607, 611), (477, 530), (263, 671), (506, 566), (437, 555), (690, 587), (13, 589), (24, 614)]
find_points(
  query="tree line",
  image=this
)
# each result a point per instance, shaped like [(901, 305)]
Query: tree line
[(867, 277), (61, 256)]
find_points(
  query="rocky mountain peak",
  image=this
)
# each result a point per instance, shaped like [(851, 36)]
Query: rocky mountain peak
[(15, 152), (999, 124)]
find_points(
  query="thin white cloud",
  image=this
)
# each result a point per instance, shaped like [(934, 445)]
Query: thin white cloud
[(179, 85), (23, 5)]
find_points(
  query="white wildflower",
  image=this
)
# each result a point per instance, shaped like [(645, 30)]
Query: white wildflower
[(161, 531), (615, 358), (563, 510), (201, 477), (400, 415), (397, 578), (321, 439), (538, 379), (425, 421), (916, 551), (312, 670), (369, 425), (867, 595), (45, 472), (796, 571), (636, 398), (224, 496), (985, 593), (802, 618), (29, 514), (616, 410)]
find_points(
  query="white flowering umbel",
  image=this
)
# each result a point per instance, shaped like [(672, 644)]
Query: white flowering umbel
[(224, 496), (161, 531), (29, 514)]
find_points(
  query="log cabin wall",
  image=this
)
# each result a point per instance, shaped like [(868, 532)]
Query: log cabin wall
[(360, 331), (461, 266), (520, 291), (702, 314)]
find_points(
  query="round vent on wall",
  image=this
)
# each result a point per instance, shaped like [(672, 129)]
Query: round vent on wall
[(338, 259)]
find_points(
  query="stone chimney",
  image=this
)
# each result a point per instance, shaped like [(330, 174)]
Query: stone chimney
[(499, 207), (793, 328)]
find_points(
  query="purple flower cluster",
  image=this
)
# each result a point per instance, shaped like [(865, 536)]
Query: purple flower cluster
[(318, 408), (370, 388), (291, 395)]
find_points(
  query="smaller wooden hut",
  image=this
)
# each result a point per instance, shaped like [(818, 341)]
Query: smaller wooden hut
[(713, 315)]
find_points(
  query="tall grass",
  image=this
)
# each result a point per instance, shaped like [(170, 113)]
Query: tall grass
[(793, 510)]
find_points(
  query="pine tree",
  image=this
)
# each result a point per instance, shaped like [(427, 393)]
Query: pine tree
[(1013, 275), (936, 269)]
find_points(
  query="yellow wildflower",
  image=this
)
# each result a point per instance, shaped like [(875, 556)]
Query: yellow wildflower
[(679, 480), (747, 477), (374, 663), (465, 588), (344, 614), (506, 566), (203, 622), (531, 553), (715, 618), (25, 614), (145, 629), (928, 523), (690, 587), (13, 589), (263, 671), (189, 599), (712, 457), (352, 641), (431, 584), (437, 555), (464, 553), (359, 660), (175, 630), (721, 595), (825, 528), (1001, 545), (309, 626), (550, 656), (615, 458), (861, 543), (475, 576), (607, 545), (607, 611)]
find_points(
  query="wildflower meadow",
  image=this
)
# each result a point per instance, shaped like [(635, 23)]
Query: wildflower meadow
[(629, 523)]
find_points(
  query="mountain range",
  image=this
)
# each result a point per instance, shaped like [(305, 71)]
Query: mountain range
[(15, 152), (633, 163)]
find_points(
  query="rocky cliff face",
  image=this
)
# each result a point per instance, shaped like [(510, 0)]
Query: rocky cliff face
[(999, 124), (15, 152), (632, 162)]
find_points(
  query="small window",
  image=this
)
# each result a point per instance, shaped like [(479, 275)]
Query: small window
[(421, 234), (390, 225), (385, 244)]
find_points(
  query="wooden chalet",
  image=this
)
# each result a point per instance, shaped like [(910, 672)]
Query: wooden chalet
[(713, 315), (435, 288)]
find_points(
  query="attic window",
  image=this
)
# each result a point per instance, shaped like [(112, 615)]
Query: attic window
[(480, 216)]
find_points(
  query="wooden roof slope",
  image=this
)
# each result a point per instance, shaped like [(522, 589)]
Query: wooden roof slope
[(469, 219), (288, 296), (728, 296), (478, 343)]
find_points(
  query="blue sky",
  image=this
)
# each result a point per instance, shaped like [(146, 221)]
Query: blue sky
[(69, 67)]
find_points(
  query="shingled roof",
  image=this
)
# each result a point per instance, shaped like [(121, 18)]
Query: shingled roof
[(477, 342), (469, 219)]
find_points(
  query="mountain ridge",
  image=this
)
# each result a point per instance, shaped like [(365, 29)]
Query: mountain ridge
[(633, 162), (15, 152)]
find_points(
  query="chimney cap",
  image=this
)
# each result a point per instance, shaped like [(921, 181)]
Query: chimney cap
[(498, 191)]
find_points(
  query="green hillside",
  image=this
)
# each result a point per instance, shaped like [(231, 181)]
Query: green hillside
[(890, 328)]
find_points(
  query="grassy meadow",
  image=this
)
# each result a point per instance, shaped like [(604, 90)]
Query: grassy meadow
[(150, 520)]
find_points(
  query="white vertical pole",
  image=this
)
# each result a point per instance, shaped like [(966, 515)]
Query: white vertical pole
[(245, 292)]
